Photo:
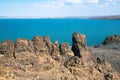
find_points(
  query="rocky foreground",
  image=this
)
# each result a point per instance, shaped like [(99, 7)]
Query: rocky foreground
[(40, 59), (109, 50)]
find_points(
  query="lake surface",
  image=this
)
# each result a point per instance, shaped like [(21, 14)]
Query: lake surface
[(58, 29)]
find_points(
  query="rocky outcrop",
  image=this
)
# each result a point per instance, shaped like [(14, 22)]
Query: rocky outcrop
[(65, 49), (109, 50), (40, 59), (112, 39), (48, 44), (7, 48), (39, 44), (79, 43), (110, 42)]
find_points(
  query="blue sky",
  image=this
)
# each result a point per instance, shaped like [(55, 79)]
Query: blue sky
[(58, 8)]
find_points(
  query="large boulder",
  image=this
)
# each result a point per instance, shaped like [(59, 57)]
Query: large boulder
[(7, 48)]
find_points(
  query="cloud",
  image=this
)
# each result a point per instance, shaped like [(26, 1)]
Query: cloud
[(76, 3), (73, 1), (113, 0), (48, 4), (92, 1)]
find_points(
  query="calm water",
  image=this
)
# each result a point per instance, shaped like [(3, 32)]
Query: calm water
[(58, 29)]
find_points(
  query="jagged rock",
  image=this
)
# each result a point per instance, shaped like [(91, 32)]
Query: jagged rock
[(28, 65), (31, 46), (24, 52), (112, 39), (21, 45), (7, 48), (56, 51), (79, 43), (40, 45), (99, 60), (65, 49), (73, 62), (48, 43), (24, 45)]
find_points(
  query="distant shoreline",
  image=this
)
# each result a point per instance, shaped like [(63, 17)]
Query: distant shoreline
[(83, 17)]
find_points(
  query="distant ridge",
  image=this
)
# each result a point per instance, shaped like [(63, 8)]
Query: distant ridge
[(111, 17), (116, 17)]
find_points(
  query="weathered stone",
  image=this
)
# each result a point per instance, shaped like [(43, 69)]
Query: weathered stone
[(58, 66), (79, 43), (48, 44), (7, 48), (31, 46), (55, 49), (56, 52), (65, 49), (39, 44), (99, 60), (112, 39), (21, 45), (73, 62), (108, 77), (24, 52)]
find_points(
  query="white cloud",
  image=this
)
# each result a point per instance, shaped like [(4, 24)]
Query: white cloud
[(92, 1), (113, 0), (76, 3), (49, 4), (73, 1)]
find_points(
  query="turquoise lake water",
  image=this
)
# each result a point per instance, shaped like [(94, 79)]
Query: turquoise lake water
[(58, 29)]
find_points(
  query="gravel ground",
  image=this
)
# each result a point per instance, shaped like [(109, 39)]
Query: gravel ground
[(111, 53)]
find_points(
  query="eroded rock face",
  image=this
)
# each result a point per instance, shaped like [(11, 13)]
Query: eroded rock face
[(79, 43), (65, 49), (56, 51), (21, 45), (48, 44), (39, 44), (7, 48), (39, 59)]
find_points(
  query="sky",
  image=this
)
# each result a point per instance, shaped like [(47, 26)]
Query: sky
[(58, 8)]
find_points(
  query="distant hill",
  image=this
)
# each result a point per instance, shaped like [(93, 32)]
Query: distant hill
[(117, 17), (113, 17)]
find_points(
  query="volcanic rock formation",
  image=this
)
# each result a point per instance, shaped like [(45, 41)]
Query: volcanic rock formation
[(40, 59)]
